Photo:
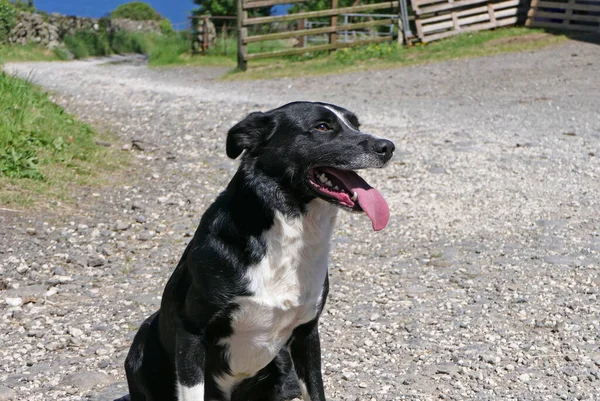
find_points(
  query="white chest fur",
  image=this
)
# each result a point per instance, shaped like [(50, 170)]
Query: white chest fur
[(287, 288)]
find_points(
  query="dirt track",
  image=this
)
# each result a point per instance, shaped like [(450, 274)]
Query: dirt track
[(484, 286)]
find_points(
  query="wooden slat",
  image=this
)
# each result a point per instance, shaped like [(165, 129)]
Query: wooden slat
[(266, 3), (461, 4), (481, 14), (333, 46), (472, 28), (447, 6), (559, 25), (563, 6), (317, 31), (576, 17), (322, 13)]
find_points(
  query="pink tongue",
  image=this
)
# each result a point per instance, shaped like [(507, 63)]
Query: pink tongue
[(369, 199)]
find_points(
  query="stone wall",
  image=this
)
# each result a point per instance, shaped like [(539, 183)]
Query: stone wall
[(50, 32)]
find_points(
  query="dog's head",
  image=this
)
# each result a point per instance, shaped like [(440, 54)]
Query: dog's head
[(312, 150)]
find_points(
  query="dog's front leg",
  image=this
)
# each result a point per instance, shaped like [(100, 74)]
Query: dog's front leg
[(190, 364), (305, 349)]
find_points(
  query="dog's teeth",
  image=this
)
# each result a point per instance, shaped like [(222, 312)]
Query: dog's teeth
[(322, 178), (354, 197), (329, 183), (336, 188)]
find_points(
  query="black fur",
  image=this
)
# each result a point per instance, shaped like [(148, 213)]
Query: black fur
[(181, 340)]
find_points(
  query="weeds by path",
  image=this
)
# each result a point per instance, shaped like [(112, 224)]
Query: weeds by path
[(44, 151)]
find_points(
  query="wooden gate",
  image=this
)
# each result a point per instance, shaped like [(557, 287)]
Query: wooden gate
[(578, 15), (332, 28), (437, 19)]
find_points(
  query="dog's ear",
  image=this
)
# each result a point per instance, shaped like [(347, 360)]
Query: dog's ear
[(249, 134)]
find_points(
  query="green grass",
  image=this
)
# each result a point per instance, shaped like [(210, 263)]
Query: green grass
[(391, 55), (44, 151), (28, 52)]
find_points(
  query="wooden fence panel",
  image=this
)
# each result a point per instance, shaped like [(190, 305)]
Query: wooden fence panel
[(577, 15), (331, 29), (438, 19)]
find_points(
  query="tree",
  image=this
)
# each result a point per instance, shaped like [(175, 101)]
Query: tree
[(225, 7), (136, 11), (317, 5), (216, 7)]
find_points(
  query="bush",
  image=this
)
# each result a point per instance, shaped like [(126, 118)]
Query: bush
[(165, 27), (24, 5), (8, 14), (88, 43), (137, 11), (123, 42), (167, 50)]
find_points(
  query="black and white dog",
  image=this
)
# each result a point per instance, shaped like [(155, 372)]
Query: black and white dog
[(239, 316)]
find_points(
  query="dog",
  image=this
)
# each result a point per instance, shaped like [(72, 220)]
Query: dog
[(239, 316)]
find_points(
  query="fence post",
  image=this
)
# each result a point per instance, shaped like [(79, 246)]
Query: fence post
[(204, 34), (242, 33), (334, 20), (190, 33), (404, 31), (302, 39)]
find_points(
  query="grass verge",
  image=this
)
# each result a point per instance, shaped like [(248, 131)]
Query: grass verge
[(390, 55), (44, 151), (28, 52)]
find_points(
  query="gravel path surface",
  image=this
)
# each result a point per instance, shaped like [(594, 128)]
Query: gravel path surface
[(484, 286)]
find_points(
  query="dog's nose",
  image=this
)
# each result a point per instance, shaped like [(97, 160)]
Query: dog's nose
[(384, 147)]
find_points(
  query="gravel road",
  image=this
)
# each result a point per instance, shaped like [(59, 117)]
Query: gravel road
[(484, 286)]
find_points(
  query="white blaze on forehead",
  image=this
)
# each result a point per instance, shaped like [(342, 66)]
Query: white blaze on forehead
[(341, 117)]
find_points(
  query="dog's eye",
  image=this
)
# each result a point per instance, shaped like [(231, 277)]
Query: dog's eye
[(323, 127)]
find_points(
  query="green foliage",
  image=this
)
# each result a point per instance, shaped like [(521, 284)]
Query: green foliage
[(372, 51), (225, 7), (318, 5), (123, 42), (8, 14), (217, 7), (24, 5), (33, 131), (137, 11), (88, 43), (167, 50), (165, 27), (44, 151)]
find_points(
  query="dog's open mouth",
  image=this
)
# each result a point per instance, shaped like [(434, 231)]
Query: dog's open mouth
[(348, 189)]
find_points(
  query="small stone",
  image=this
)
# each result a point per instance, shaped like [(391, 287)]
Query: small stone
[(145, 236), (86, 380), (525, 377), (121, 226), (59, 279), (136, 205), (362, 385), (140, 219), (126, 147), (445, 369), (7, 393), (59, 271), (75, 332), (571, 357), (510, 367), (348, 375), (13, 301), (31, 231), (22, 268), (96, 261)]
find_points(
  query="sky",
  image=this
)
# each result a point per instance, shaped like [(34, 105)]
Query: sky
[(174, 10)]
